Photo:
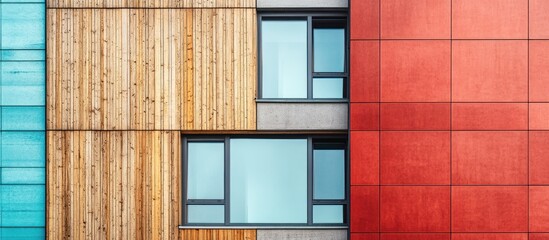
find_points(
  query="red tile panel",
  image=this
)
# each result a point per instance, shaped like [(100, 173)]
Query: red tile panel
[(415, 71), (490, 71), (415, 236), (415, 158), (364, 71), (364, 236), (364, 209), (364, 19), (539, 236), (489, 236), (415, 209), (364, 158), (364, 116), (415, 116), (539, 116), (489, 209), (490, 19), (539, 209), (539, 157), (490, 116), (494, 157), (539, 70), (539, 19), (415, 19)]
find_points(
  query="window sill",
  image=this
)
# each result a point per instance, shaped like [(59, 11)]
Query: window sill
[(302, 100), (265, 227)]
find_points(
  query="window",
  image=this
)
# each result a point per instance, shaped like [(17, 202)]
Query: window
[(303, 57), (265, 181)]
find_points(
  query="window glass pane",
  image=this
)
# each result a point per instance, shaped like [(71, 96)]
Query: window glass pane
[(268, 181), (23, 175), (205, 213), (329, 49), (327, 214), (329, 174), (206, 170), (23, 83), (23, 26), (23, 233), (23, 149), (23, 118), (284, 59), (328, 88)]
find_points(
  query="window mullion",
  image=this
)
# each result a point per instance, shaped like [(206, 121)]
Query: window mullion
[(310, 62), (227, 181), (309, 181)]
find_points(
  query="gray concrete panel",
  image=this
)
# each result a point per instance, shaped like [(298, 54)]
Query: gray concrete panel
[(302, 116), (302, 3), (302, 234)]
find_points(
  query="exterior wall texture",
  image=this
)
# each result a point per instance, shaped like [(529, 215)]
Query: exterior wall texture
[(22, 120), (449, 118)]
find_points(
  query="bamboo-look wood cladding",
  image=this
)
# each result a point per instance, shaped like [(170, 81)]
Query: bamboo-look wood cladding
[(151, 69), (113, 184), (217, 234), (151, 3)]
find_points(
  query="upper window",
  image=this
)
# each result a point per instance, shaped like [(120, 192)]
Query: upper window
[(265, 181), (303, 57)]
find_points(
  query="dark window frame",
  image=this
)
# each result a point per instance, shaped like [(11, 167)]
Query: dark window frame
[(327, 142), (309, 16)]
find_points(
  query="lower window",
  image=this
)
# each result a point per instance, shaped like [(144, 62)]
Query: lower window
[(265, 181)]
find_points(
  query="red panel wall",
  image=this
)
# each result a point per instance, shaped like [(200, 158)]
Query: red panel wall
[(449, 119)]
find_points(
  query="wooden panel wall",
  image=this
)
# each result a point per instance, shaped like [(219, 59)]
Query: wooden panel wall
[(151, 3), (151, 69), (216, 234), (113, 184)]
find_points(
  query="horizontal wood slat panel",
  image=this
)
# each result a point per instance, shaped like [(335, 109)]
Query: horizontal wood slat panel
[(151, 3), (151, 69), (113, 184), (216, 234)]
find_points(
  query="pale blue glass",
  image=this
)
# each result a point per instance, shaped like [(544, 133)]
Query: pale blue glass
[(205, 213), (206, 170), (23, 55), (23, 149), (23, 83), (23, 26), (284, 58), (329, 49), (23, 175), (329, 174), (327, 214), (23, 118), (16, 198), (328, 88), (21, 233), (268, 181)]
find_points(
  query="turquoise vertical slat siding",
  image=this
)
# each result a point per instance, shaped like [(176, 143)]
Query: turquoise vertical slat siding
[(22, 119)]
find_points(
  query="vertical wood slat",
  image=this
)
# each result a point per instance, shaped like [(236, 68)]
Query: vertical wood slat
[(113, 184), (218, 234), (151, 3), (106, 72)]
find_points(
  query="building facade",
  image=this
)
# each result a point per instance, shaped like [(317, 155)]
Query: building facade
[(274, 119)]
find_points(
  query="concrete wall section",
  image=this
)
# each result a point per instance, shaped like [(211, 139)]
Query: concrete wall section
[(301, 234), (302, 116), (302, 4)]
